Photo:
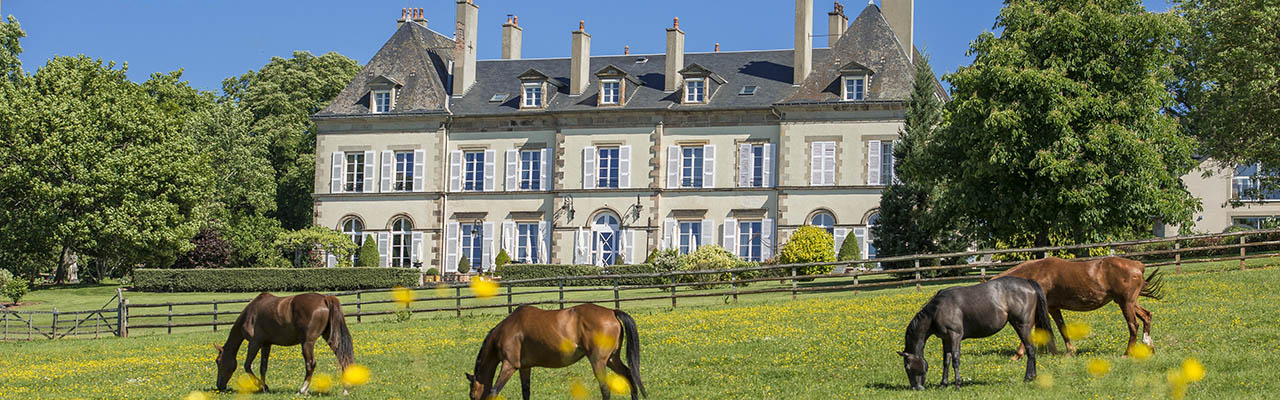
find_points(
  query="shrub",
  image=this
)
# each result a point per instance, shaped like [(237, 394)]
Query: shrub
[(15, 289), (464, 266), (5, 276), (667, 260), (433, 271), (850, 250), (368, 256), (303, 244), (502, 259), (271, 279), (630, 269), (513, 272), (210, 251), (809, 244), (652, 255), (709, 257)]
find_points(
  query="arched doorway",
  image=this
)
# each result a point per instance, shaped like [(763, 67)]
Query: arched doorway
[(605, 234)]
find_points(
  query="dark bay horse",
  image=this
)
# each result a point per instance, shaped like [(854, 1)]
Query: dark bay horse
[(1089, 285), (285, 321), (974, 311), (532, 337)]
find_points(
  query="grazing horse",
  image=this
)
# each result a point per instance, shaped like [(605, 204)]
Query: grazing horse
[(532, 337), (285, 321), (974, 312), (1089, 285)]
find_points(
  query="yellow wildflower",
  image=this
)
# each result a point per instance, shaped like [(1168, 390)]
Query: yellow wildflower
[(617, 384), (1098, 367), (1140, 351), (355, 375), (402, 296), (1076, 330), (247, 384), (604, 341), (577, 391), (1044, 381), (321, 383), (567, 347), (196, 395), (1192, 370), (1040, 337), (484, 287)]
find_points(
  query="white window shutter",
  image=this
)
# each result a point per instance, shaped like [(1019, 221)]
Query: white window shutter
[(455, 174), (873, 163), (669, 234), (415, 250), (627, 246), (673, 167), (709, 166), (544, 236), (369, 170), (545, 180), (509, 237), (338, 173), (745, 165), (637, 252), (490, 169), (589, 167), (766, 238), (330, 260), (708, 233), (513, 170), (861, 235), (840, 234), (731, 236), (388, 170), (419, 170), (891, 163), (767, 173), (486, 246), (451, 247), (624, 167), (582, 247), (815, 163), (384, 243), (829, 164)]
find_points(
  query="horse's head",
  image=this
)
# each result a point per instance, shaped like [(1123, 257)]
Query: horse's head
[(916, 368), (478, 389), (224, 370)]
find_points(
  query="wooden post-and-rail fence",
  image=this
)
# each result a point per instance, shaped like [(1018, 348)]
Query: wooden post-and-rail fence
[(120, 317)]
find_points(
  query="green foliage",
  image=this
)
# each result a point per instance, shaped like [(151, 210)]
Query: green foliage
[(1057, 130), (710, 257), (464, 265), (652, 255), (10, 48), (15, 289), (5, 276), (1227, 80), (809, 244), (306, 244), (502, 259), (271, 279), (209, 251), (403, 315), (512, 272), (433, 271), (368, 256), (850, 250), (667, 260)]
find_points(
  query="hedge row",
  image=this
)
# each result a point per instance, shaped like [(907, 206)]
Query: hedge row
[(271, 279), (512, 272)]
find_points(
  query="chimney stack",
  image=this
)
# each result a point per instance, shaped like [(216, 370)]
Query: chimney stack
[(675, 56), (419, 17), (626, 50), (464, 51), (512, 36), (404, 17), (804, 41), (580, 64), (837, 22), (901, 17)]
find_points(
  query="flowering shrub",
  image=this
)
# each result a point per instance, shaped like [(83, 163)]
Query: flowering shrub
[(809, 244), (708, 257)]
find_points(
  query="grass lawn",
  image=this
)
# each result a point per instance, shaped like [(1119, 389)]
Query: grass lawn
[(838, 345)]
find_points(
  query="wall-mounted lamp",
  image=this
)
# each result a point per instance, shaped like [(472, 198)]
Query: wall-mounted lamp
[(566, 209), (634, 210)]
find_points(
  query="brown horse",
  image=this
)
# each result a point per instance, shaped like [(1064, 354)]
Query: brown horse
[(532, 337), (1089, 285), (285, 321)]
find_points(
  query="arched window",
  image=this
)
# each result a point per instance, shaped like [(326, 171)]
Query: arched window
[(824, 220), (604, 243), (401, 239), (872, 221), (353, 227)]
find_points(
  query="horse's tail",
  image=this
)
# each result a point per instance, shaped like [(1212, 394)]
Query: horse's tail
[(1042, 315), (338, 336), (631, 336), (1153, 285)]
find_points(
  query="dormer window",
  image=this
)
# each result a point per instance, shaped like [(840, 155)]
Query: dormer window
[(855, 82), (536, 90), (382, 93), (533, 95), (700, 84), (855, 88), (615, 86), (695, 90), (381, 101), (610, 91)]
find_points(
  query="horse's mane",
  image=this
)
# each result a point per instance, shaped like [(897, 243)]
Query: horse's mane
[(917, 327), (486, 348)]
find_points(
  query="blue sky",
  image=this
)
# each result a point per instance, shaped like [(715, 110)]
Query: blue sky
[(213, 40)]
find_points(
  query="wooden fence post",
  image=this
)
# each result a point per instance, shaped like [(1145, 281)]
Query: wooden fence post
[(124, 318), (457, 297), (1177, 257), (793, 283), (169, 325), (734, 278), (1242, 249), (53, 331), (215, 317), (917, 274), (673, 291), (561, 290), (120, 312), (617, 304), (359, 303)]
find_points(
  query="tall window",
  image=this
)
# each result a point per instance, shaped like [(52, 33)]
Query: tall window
[(473, 174), (403, 180), (825, 221), (690, 236), (354, 181), (1251, 183), (854, 88), (757, 165), (604, 246), (695, 91), (887, 173), (354, 229), (609, 92), (822, 163), (607, 166), (472, 244), (533, 95), (750, 246), (531, 169), (401, 241), (527, 243), (691, 166), (871, 239), (381, 101)]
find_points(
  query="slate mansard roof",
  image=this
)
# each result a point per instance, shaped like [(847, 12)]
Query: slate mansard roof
[(418, 58)]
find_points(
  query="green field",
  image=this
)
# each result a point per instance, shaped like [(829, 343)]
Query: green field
[(837, 345)]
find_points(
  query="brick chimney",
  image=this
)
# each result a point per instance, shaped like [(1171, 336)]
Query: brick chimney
[(580, 64), (404, 17), (512, 36), (464, 51), (804, 41), (675, 56), (837, 22), (901, 17)]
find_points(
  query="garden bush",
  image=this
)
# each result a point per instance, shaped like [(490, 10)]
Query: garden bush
[(850, 250), (15, 289), (210, 251), (433, 271), (464, 265), (367, 256), (502, 259), (271, 279), (512, 272), (5, 276), (709, 257), (809, 244)]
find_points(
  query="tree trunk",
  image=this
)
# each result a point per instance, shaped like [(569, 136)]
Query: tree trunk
[(60, 272)]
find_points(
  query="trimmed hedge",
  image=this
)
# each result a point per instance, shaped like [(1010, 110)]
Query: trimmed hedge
[(512, 272), (271, 279)]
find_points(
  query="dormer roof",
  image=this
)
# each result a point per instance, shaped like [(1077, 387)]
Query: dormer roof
[(698, 71)]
